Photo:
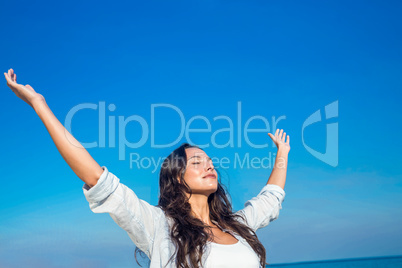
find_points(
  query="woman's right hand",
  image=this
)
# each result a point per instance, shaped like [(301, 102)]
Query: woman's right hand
[(26, 93)]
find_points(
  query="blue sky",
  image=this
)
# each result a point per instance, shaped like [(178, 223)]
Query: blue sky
[(276, 60)]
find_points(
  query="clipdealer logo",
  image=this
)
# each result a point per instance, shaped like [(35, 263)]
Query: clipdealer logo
[(110, 123)]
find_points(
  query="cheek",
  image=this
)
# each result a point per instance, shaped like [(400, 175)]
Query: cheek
[(194, 171), (192, 175)]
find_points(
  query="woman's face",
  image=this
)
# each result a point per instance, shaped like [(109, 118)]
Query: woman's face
[(200, 174)]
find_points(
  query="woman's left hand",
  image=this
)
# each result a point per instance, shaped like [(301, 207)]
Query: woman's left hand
[(280, 140)]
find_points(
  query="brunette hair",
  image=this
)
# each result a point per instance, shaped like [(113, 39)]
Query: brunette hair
[(188, 233)]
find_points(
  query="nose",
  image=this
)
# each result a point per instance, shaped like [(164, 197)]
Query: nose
[(210, 165)]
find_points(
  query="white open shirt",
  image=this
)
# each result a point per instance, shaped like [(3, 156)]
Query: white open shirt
[(149, 228)]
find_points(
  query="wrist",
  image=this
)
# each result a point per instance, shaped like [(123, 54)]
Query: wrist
[(38, 103), (283, 150)]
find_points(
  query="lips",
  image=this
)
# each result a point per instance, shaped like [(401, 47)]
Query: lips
[(211, 176)]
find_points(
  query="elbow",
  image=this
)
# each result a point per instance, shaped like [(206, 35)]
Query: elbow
[(91, 183), (93, 180)]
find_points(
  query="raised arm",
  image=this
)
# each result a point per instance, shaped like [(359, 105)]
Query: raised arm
[(264, 208), (76, 156), (278, 174)]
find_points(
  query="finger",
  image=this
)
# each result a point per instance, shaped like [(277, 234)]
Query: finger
[(280, 134), (7, 77), (10, 75), (284, 136), (276, 132), (15, 78), (288, 140)]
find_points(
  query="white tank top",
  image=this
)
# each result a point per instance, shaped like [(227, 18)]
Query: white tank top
[(235, 255)]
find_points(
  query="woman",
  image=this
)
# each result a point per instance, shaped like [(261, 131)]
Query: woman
[(193, 224)]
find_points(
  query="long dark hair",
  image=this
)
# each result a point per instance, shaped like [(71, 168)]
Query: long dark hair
[(188, 233)]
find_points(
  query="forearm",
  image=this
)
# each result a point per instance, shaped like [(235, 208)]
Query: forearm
[(278, 174), (76, 156)]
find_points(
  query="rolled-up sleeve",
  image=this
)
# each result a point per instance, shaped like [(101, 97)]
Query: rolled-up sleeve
[(264, 208), (137, 217)]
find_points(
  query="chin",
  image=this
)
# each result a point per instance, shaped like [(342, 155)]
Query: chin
[(215, 189)]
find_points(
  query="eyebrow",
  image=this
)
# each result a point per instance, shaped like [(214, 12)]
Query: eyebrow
[(209, 158)]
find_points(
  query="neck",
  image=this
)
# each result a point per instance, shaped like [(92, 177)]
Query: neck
[(200, 208)]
